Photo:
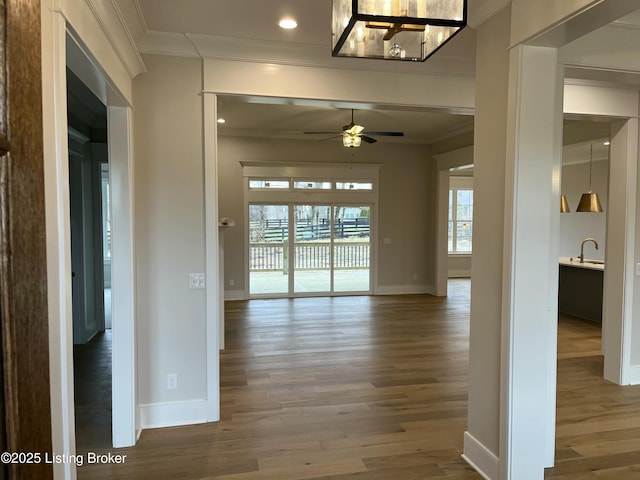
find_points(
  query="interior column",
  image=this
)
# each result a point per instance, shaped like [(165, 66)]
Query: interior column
[(532, 214), (513, 337), (619, 275)]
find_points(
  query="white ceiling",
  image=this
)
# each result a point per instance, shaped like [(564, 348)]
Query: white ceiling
[(252, 19), (290, 121), (247, 21)]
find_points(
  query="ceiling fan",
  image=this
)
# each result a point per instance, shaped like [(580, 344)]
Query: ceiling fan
[(353, 134)]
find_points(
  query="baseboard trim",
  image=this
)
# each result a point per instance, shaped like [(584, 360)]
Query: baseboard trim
[(634, 375), (480, 458), (235, 295), (173, 414), (230, 295), (459, 274), (403, 290)]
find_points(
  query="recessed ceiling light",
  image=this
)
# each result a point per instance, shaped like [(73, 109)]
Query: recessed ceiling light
[(221, 120), (607, 143), (288, 23)]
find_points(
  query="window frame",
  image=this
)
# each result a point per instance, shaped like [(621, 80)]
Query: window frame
[(457, 184)]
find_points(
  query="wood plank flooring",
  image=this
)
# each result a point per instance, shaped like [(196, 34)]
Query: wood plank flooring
[(372, 388), (598, 422), (92, 392)]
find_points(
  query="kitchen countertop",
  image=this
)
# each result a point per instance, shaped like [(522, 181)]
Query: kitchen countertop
[(588, 263)]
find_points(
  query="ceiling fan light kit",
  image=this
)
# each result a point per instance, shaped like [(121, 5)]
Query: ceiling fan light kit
[(410, 30), (353, 134), (351, 141)]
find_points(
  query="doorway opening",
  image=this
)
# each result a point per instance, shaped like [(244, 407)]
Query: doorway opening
[(309, 249), (90, 263)]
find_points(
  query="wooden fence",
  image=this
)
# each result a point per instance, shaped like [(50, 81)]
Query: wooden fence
[(278, 230)]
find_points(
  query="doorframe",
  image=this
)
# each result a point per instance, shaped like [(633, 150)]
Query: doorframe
[(327, 171), (214, 283), (446, 161), (68, 49)]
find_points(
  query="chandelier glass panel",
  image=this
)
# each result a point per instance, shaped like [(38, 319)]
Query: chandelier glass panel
[(410, 30)]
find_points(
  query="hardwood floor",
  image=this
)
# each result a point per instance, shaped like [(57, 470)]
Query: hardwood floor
[(92, 392), (598, 422), (372, 388)]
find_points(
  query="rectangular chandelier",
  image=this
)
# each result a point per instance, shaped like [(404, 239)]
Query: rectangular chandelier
[(410, 30)]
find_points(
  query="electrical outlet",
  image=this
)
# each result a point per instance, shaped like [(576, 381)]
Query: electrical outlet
[(172, 381), (196, 281), (415, 277), (232, 282)]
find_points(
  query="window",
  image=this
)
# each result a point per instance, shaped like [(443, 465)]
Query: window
[(354, 185), (268, 184), (106, 212), (460, 219), (311, 185)]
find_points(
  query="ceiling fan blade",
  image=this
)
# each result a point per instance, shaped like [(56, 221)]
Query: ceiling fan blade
[(387, 134), (368, 139), (331, 137), (322, 133)]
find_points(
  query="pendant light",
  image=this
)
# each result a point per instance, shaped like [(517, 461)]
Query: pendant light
[(564, 205), (400, 30), (589, 202)]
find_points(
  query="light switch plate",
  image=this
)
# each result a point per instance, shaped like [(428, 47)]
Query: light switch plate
[(196, 281)]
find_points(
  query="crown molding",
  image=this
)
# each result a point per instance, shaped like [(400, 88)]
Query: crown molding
[(453, 132), (139, 16), (624, 25), (114, 26), (482, 10), (170, 44)]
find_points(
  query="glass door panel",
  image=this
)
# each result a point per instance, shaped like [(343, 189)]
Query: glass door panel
[(268, 249), (351, 248), (312, 249)]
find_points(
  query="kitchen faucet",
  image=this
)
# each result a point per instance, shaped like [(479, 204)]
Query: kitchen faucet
[(582, 247)]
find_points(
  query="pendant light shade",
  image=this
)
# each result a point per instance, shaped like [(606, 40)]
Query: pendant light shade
[(589, 202), (564, 205)]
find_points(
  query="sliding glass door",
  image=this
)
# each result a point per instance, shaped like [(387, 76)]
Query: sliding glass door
[(351, 248), (312, 249), (268, 249), (307, 249)]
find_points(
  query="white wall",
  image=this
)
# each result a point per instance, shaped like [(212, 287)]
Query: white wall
[(404, 213), (169, 239), (459, 266), (574, 226), (482, 443)]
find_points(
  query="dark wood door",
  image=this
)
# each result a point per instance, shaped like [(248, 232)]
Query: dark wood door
[(26, 416)]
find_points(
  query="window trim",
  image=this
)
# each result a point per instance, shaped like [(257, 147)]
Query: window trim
[(456, 184)]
